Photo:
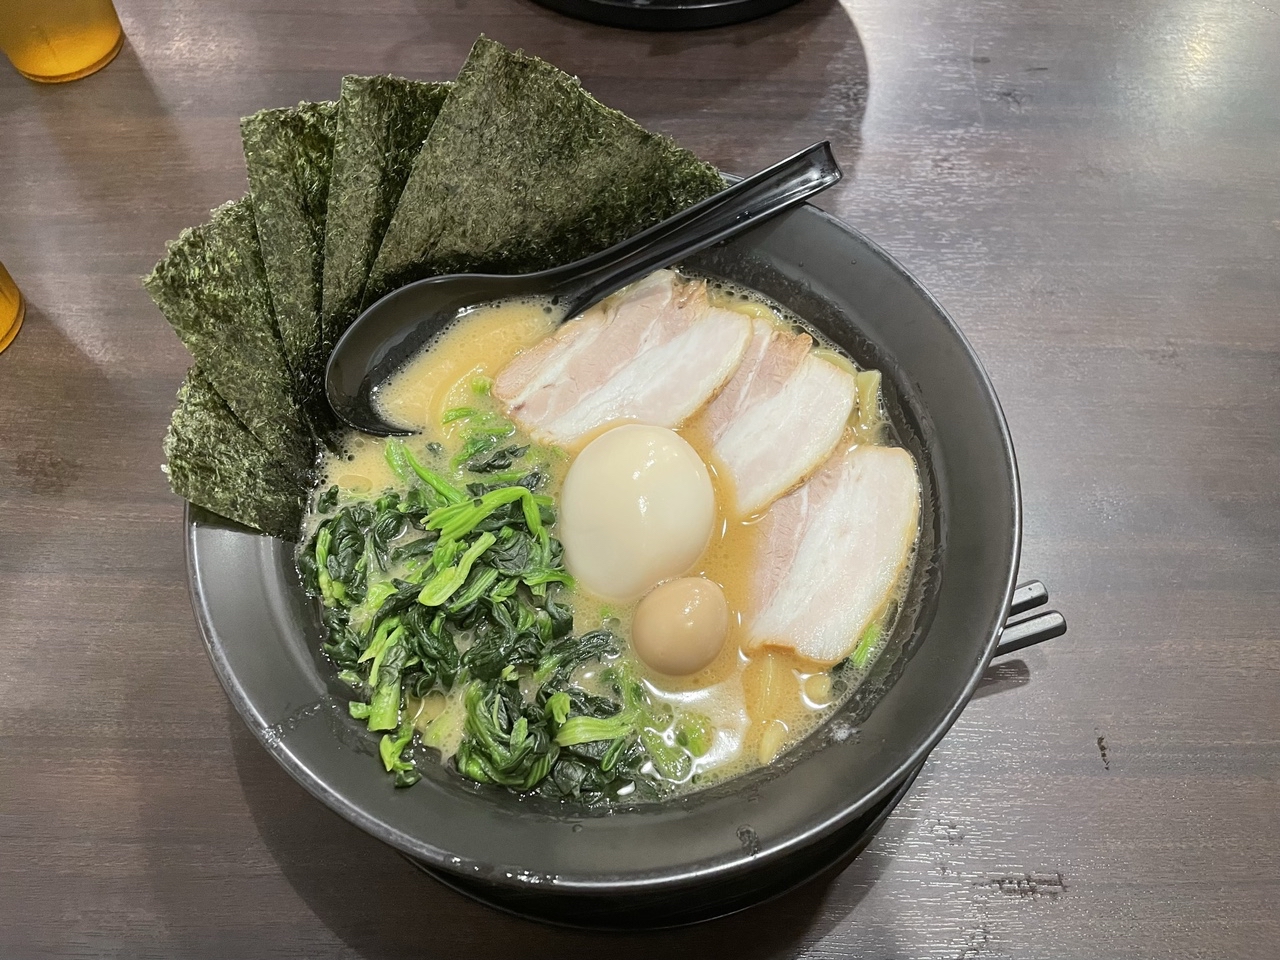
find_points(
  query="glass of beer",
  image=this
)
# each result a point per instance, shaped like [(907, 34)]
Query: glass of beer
[(11, 308), (57, 40)]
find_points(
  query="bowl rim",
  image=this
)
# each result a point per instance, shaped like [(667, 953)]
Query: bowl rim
[(666, 881)]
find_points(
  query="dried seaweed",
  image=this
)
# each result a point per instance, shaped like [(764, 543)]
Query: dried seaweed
[(381, 124), (216, 463), (522, 170), (289, 153), (212, 288), (515, 167)]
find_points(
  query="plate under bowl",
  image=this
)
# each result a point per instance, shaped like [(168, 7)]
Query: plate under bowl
[(709, 901), (263, 634)]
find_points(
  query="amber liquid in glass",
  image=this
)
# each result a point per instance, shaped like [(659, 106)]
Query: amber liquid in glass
[(11, 307), (56, 40)]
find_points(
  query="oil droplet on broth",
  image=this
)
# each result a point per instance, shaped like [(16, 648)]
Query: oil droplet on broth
[(817, 689), (354, 482)]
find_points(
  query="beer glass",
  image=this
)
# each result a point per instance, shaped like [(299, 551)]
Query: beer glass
[(57, 40), (11, 308)]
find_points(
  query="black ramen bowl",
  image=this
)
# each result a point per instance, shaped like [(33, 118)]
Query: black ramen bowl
[(746, 839)]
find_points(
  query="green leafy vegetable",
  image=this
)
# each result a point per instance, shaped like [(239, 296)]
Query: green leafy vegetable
[(482, 450), (409, 576), (669, 742), (412, 577), (406, 466), (392, 753), (558, 706), (585, 729), (502, 746), (326, 502), (443, 585), (601, 769), (567, 653), (867, 644), (695, 733), (458, 519), (384, 708)]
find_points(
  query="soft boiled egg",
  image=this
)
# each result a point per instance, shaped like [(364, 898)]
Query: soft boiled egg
[(637, 507), (680, 626)]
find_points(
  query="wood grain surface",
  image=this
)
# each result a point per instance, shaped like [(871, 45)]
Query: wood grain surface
[(1093, 190)]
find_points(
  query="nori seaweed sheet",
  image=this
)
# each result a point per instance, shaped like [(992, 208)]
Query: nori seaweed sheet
[(523, 170), (216, 463), (289, 153), (381, 124), (212, 288)]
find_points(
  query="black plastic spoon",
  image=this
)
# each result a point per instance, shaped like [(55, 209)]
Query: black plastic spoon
[(399, 324)]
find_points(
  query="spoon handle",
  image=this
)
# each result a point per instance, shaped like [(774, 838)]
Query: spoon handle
[(726, 214)]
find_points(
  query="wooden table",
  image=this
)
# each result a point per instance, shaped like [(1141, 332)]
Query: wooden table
[(1092, 188)]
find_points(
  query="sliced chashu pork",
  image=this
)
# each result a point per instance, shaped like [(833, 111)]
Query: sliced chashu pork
[(656, 355), (833, 552), (549, 378), (779, 417)]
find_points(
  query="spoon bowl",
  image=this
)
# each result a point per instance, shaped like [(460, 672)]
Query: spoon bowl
[(396, 327)]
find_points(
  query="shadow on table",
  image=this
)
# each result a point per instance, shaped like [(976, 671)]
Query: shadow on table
[(97, 132), (1005, 675), (62, 444), (382, 907)]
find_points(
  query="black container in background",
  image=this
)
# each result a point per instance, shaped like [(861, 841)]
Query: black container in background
[(666, 14)]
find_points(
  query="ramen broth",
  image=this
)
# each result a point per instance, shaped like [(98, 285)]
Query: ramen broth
[(759, 702)]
